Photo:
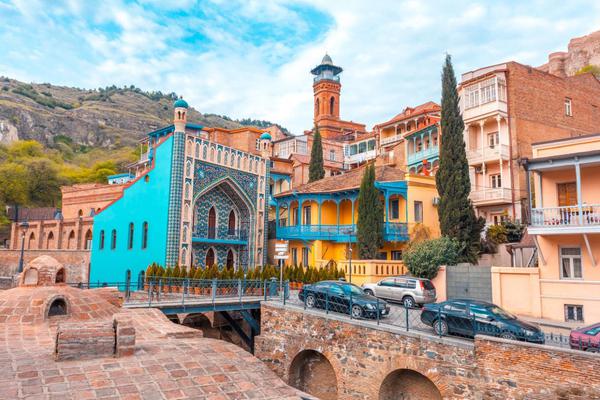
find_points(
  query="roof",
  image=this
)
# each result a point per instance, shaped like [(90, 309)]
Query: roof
[(33, 214), (326, 64), (265, 136), (305, 159), (348, 181), (180, 103), (410, 112), (566, 139)]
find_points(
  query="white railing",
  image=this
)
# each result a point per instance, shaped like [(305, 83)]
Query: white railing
[(391, 139), (587, 215), (503, 194), (144, 157), (487, 153)]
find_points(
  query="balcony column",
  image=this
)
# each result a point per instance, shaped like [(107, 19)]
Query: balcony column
[(277, 214), (481, 124), (528, 177), (578, 182), (319, 202), (430, 142), (299, 213), (352, 203), (466, 135), (387, 207), (337, 202)]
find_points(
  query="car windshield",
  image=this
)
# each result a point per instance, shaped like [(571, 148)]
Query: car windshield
[(353, 289), (501, 313), (428, 285), (593, 331)]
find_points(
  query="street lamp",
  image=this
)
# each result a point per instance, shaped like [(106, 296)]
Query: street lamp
[(24, 226), (349, 231)]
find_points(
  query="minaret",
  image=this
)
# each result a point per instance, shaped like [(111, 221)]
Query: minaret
[(265, 145), (326, 89), (180, 114)]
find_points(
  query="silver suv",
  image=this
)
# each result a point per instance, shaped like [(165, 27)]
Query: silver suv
[(406, 289)]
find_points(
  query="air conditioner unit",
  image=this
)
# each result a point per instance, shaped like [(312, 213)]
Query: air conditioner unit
[(478, 170), (436, 201)]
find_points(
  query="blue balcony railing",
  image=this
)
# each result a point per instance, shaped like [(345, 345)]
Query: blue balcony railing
[(392, 231), (419, 156), (225, 236)]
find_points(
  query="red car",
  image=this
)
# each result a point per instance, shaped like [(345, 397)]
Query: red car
[(586, 338)]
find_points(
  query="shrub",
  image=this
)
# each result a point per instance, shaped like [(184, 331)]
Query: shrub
[(514, 231), (199, 274), (497, 234), (423, 259)]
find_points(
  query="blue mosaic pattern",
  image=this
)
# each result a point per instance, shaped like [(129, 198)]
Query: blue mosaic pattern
[(205, 174), (174, 218), (199, 255)]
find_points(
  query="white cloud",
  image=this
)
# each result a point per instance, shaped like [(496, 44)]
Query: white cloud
[(391, 51)]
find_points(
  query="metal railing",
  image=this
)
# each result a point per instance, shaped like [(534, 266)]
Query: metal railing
[(396, 231), (587, 215), (421, 155), (222, 234)]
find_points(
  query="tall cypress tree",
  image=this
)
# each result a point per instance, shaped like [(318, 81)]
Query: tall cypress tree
[(316, 170), (455, 211), (370, 217)]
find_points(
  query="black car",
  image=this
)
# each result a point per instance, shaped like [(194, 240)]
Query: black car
[(471, 317), (343, 297)]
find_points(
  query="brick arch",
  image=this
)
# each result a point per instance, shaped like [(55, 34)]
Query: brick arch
[(323, 369), (429, 370), (408, 384), (50, 301)]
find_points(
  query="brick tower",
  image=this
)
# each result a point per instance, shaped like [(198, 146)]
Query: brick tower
[(326, 88)]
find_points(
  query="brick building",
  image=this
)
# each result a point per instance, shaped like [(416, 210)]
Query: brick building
[(506, 108)]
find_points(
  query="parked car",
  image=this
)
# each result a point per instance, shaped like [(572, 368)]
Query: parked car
[(471, 317), (586, 338), (343, 297), (410, 291)]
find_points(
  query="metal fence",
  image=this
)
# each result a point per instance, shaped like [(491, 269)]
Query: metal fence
[(7, 282)]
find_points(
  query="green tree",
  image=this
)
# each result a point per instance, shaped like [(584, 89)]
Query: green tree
[(369, 236), (593, 69), (455, 211), (316, 171), (424, 259)]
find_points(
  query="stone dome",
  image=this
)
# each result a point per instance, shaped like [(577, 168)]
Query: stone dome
[(265, 136), (180, 103)]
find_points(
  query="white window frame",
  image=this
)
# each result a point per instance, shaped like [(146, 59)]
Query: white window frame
[(495, 181), (575, 307), (415, 203), (305, 256), (561, 257), (332, 155), (493, 139), (568, 107), (257, 145)]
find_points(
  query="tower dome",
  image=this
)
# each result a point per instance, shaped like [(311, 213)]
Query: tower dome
[(326, 60), (180, 103), (265, 136)]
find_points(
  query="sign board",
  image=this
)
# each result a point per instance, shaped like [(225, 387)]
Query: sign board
[(281, 246), (281, 257)]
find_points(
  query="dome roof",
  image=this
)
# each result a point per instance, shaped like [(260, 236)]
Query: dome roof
[(265, 136), (180, 103), (326, 60)]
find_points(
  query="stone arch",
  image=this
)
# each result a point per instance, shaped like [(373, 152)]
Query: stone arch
[(30, 277), (71, 240), (31, 241), (56, 306), (87, 245), (312, 372), (408, 384), (50, 241), (60, 276)]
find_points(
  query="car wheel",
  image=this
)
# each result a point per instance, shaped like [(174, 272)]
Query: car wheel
[(369, 292), (310, 301), (440, 327), (357, 311), (592, 349), (408, 302), (508, 336)]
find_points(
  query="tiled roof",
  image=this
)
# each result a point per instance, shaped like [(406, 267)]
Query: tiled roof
[(305, 159), (410, 112), (347, 181), (33, 214)]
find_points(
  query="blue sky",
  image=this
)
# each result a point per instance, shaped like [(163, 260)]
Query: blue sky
[(252, 58)]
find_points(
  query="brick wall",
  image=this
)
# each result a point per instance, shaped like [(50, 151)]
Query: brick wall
[(370, 363), (76, 262)]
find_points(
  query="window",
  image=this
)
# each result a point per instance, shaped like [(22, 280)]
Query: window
[(130, 239), (488, 91), (573, 312), (362, 147), (307, 213), (210, 258), (570, 262), (396, 254), (231, 223), (382, 255), (101, 240), (332, 155), (371, 145), (212, 223), (145, 235), (471, 96), (568, 107), (456, 307), (295, 256), (352, 150), (395, 209), (331, 105), (257, 144), (113, 240), (493, 139), (567, 194), (495, 181), (305, 256), (418, 211), (387, 282)]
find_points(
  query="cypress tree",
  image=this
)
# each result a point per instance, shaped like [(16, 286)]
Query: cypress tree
[(370, 217), (316, 170), (455, 211)]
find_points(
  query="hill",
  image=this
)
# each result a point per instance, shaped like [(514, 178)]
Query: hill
[(107, 117)]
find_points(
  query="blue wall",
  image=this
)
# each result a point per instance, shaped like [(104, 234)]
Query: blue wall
[(141, 202)]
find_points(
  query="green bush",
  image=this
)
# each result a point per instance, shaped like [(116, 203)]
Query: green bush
[(497, 234), (514, 231), (423, 259)]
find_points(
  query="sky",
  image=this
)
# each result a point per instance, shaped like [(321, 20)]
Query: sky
[(252, 59)]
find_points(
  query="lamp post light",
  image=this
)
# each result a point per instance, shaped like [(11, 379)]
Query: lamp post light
[(349, 231), (24, 226)]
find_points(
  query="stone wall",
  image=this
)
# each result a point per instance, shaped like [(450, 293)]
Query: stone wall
[(76, 262), (370, 363)]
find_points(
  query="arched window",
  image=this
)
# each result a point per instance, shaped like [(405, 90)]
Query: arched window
[(210, 258), (50, 241), (185, 232), (188, 168), (204, 150), (80, 213), (230, 263), (60, 276), (58, 307), (187, 190), (113, 239), (71, 241), (101, 246), (226, 157), (331, 105), (183, 257), (212, 223), (145, 235), (231, 223), (88, 240), (197, 153), (186, 211), (317, 108), (31, 241), (130, 239), (219, 156), (239, 161)]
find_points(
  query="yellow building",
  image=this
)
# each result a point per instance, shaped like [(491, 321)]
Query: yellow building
[(319, 220)]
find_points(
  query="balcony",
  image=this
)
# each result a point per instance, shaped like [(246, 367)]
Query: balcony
[(489, 153), (491, 196), (390, 139), (425, 154), (360, 157), (397, 232), (570, 219), (489, 108), (221, 236)]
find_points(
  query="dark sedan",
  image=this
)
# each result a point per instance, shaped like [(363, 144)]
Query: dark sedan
[(343, 297), (471, 317)]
